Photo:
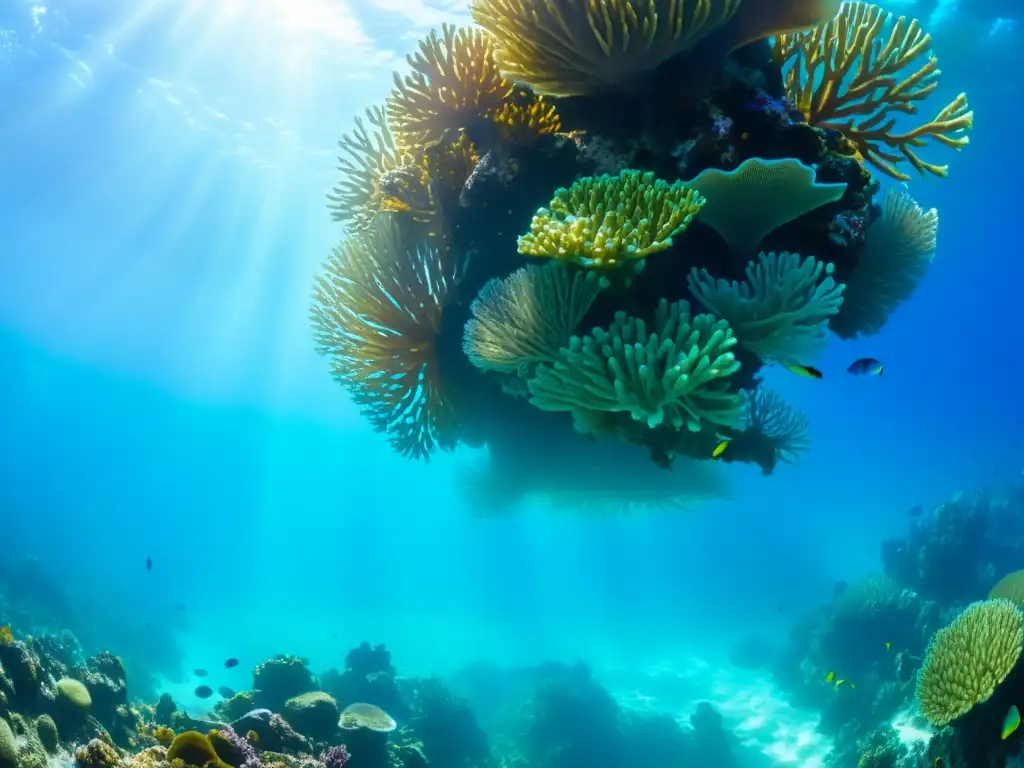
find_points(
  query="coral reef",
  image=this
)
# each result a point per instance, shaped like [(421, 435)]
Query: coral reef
[(646, 153)]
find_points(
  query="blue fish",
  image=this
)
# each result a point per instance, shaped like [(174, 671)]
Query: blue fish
[(866, 366)]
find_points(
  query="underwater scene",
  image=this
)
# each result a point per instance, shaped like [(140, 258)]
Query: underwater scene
[(511, 384)]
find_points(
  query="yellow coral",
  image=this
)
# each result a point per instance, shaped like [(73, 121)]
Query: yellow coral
[(601, 222), (677, 375), (376, 314), (968, 659), (1010, 587), (454, 83), (193, 748), (528, 316), (372, 177), (522, 120), (847, 76)]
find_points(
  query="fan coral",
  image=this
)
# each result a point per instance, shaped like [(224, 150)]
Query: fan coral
[(528, 316), (369, 156), (781, 430), (676, 375), (966, 660), (758, 197), (376, 315), (602, 221), (899, 249), (454, 84), (845, 76), (781, 313), (1010, 587)]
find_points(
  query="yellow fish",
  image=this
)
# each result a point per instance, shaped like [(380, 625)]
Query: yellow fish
[(719, 449), (6, 636), (847, 682), (806, 371), (1011, 722), (888, 645), (830, 677)]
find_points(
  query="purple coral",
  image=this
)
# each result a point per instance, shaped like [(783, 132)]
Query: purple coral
[(335, 757), (249, 757)]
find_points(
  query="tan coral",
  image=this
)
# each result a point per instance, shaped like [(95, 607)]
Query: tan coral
[(849, 76)]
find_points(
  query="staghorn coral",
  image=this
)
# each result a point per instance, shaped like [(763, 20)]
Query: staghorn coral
[(896, 256), (1010, 587), (968, 659), (454, 84), (528, 316), (758, 197), (602, 222), (376, 315), (369, 156), (677, 375), (847, 76), (781, 313)]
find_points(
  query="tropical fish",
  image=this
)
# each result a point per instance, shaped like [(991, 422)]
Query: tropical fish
[(720, 449), (1011, 722), (888, 645), (806, 371), (226, 692), (200, 672), (232, 662), (252, 737), (866, 366), (830, 677), (204, 691), (149, 563)]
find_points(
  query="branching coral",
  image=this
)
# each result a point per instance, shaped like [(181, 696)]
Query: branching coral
[(376, 315), (781, 313), (847, 76), (677, 375), (377, 176), (896, 256), (758, 197), (968, 659), (528, 316), (602, 222), (579, 47)]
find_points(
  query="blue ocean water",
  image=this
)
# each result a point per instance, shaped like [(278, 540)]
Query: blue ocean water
[(162, 172)]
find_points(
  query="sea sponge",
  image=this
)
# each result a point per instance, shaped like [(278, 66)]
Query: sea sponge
[(968, 659), (99, 754), (781, 312), (1010, 587), (376, 315), (528, 316), (896, 255), (74, 692), (580, 47), (758, 197), (369, 156), (193, 748), (677, 375), (47, 732), (8, 746), (602, 222), (844, 76)]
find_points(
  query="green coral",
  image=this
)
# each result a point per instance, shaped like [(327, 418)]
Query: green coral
[(74, 692), (677, 375), (1010, 587), (194, 748), (968, 659), (781, 312), (8, 746), (602, 222), (528, 316), (48, 734)]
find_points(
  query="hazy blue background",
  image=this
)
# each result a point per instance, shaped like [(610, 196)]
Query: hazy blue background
[(162, 171)]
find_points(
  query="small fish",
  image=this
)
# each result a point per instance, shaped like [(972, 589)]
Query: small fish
[(888, 645), (830, 677), (939, 762), (226, 692), (846, 682), (866, 366), (720, 449), (232, 662), (1011, 722), (200, 672), (204, 691), (916, 511), (149, 563), (806, 371), (252, 737)]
